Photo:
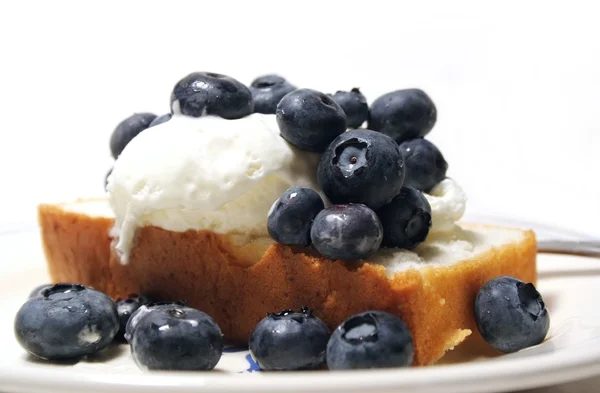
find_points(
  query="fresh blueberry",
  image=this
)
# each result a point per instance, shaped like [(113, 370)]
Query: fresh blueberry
[(125, 308), (127, 130), (37, 291), (202, 93), (106, 178), (403, 114), (176, 338), (362, 166), (289, 341), (66, 321), (425, 164), (373, 339), (291, 216), (511, 314), (142, 311), (347, 232), (161, 119), (309, 119), (267, 91), (355, 106), (406, 219)]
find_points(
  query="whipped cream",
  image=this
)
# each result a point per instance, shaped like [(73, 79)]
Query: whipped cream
[(448, 202), (204, 173)]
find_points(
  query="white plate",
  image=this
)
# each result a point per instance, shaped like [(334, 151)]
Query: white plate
[(569, 286)]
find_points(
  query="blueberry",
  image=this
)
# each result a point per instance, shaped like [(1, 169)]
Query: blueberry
[(355, 106), (267, 91), (37, 291), (176, 338), (373, 339), (309, 119), (141, 312), (289, 341), (362, 166), (291, 216), (106, 178), (161, 119), (66, 321), (425, 164), (127, 130), (125, 308), (510, 314), (347, 232), (403, 114), (202, 93), (406, 219)]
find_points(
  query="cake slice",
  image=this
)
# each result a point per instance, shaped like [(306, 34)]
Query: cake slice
[(237, 278)]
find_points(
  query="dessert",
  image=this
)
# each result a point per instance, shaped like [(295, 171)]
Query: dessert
[(244, 214)]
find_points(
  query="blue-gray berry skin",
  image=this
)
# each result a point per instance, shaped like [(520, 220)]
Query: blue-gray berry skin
[(355, 106), (511, 314), (267, 91), (403, 114), (176, 338), (347, 232), (66, 321), (289, 341), (125, 308), (37, 291), (127, 130), (406, 219), (309, 119), (425, 164), (373, 339), (202, 93), (291, 216), (142, 311), (161, 119), (362, 166)]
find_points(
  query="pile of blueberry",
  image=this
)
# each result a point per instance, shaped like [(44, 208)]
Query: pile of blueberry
[(70, 321)]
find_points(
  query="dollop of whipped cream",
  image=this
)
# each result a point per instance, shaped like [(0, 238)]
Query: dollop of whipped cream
[(204, 173), (448, 202)]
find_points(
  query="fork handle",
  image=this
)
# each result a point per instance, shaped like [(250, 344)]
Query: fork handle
[(575, 247)]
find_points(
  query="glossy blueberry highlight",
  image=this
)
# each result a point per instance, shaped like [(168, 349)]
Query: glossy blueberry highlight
[(127, 130), (373, 339), (511, 314), (202, 93), (267, 91), (355, 106), (176, 338), (66, 321), (425, 164), (362, 166), (142, 311), (403, 114), (289, 341), (309, 119), (347, 232), (125, 308), (406, 219), (291, 216)]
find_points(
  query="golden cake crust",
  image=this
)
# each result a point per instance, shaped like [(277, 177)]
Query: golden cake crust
[(212, 273)]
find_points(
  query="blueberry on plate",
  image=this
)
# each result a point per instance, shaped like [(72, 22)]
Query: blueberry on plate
[(267, 91), (141, 312), (37, 291), (176, 338), (66, 321), (403, 114), (355, 106), (511, 314), (347, 232), (289, 341), (202, 93), (362, 166), (127, 130), (425, 164), (125, 308), (372, 339), (291, 216), (309, 119), (161, 119), (406, 219)]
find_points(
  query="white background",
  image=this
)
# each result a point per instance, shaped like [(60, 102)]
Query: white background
[(517, 86)]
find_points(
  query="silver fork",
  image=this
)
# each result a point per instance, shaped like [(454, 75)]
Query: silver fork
[(589, 248)]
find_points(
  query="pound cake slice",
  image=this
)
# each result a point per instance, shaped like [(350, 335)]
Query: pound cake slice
[(237, 279)]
